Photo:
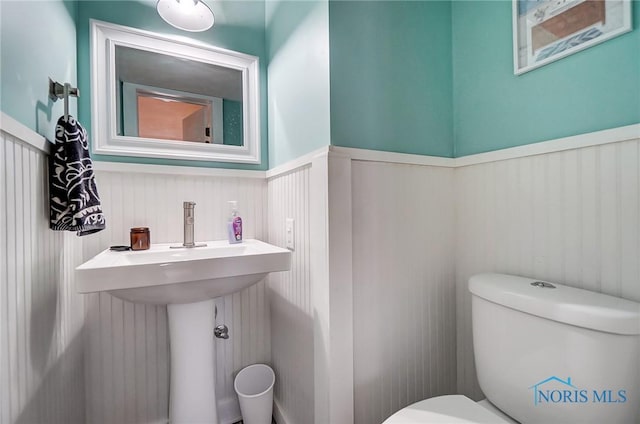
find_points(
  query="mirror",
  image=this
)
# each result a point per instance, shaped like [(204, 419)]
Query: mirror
[(205, 107), (169, 97)]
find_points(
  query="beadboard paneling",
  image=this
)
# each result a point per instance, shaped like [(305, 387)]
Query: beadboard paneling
[(403, 286), (290, 301), (41, 317), (127, 344), (568, 217)]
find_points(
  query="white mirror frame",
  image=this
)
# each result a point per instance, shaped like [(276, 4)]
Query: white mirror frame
[(106, 141)]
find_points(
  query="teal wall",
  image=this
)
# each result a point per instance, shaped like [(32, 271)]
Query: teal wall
[(297, 36), (38, 41), (391, 76), (232, 122), (239, 26), (422, 77), (595, 89)]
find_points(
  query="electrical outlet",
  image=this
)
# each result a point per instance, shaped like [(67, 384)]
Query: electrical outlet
[(290, 233)]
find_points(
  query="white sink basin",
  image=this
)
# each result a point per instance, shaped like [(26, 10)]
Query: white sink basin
[(162, 275), (186, 280)]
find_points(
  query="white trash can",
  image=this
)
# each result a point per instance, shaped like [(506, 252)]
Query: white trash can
[(254, 386)]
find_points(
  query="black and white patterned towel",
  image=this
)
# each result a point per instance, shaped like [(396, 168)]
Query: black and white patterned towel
[(74, 202)]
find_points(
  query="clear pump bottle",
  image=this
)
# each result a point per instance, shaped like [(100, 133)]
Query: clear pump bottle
[(234, 223)]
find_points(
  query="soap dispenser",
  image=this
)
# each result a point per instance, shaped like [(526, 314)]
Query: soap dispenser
[(234, 223)]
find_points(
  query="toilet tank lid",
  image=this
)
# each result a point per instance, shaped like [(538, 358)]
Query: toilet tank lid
[(564, 304)]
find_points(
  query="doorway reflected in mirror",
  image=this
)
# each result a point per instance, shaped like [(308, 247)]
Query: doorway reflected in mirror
[(189, 101), (170, 119)]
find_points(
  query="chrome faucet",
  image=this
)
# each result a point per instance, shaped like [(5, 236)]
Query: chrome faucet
[(188, 224), (189, 219)]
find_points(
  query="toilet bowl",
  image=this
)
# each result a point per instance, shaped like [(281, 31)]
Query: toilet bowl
[(544, 353), (450, 409)]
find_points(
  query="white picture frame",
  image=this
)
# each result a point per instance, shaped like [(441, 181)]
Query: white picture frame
[(105, 138), (547, 30)]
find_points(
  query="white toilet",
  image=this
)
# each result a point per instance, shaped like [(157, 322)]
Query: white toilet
[(545, 353)]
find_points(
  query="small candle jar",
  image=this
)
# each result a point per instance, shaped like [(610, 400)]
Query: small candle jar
[(140, 238)]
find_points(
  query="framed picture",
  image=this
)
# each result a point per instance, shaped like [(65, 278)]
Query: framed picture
[(548, 30)]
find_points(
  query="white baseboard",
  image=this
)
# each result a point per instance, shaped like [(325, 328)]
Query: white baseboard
[(23, 133), (296, 163), (596, 138), (392, 157), (278, 413), (142, 168)]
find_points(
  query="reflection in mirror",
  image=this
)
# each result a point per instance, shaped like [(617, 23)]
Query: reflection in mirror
[(162, 96), (188, 101)]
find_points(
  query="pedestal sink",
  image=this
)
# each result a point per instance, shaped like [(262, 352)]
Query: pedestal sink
[(186, 280)]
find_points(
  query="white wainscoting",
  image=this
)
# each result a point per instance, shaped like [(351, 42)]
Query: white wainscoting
[(403, 286), (127, 344), (290, 300), (569, 217), (41, 316)]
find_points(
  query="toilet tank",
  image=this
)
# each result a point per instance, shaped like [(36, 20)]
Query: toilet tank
[(548, 353)]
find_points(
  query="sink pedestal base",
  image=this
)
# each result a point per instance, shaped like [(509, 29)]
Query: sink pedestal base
[(192, 386)]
